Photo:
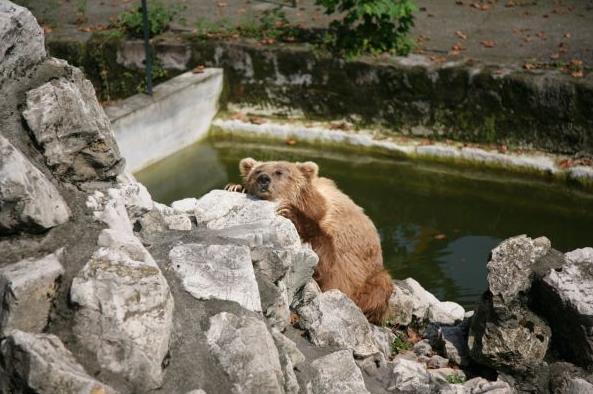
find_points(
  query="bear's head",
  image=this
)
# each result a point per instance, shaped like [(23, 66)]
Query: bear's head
[(274, 180)]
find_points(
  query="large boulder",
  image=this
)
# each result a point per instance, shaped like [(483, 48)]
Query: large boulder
[(505, 334), (336, 373), (39, 363), (28, 200), (27, 289), (70, 125), (565, 299), (411, 303), (21, 40), (222, 272), (124, 309), (332, 319), (246, 351)]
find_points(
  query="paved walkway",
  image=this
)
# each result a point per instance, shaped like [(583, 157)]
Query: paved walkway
[(497, 31)]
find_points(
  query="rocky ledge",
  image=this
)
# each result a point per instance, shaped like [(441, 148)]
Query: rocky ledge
[(105, 291)]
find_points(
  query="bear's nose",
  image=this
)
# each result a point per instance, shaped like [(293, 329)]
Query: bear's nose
[(263, 179)]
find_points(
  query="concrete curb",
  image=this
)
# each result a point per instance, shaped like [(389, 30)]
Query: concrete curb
[(544, 164)]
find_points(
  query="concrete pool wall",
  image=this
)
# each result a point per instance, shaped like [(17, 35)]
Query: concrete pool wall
[(179, 113)]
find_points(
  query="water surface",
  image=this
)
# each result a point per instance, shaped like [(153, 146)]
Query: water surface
[(437, 223)]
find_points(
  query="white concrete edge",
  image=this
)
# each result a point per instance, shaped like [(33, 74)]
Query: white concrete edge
[(148, 129), (544, 163)]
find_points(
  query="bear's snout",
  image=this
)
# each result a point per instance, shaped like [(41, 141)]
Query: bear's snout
[(263, 180)]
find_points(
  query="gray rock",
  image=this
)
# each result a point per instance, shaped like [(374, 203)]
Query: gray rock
[(290, 356), (566, 378), (442, 376), (452, 342), (27, 289), (136, 197), (423, 348), (483, 386), (178, 222), (222, 272), (565, 298), (308, 293), (125, 309), (74, 132), (510, 270), (187, 205), (40, 363), (332, 319), (436, 362), (515, 346), (504, 333), (246, 351), (384, 338), (28, 200), (336, 373), (21, 40), (409, 377), (412, 303)]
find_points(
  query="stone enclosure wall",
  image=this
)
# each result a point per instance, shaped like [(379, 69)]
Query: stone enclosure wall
[(463, 100)]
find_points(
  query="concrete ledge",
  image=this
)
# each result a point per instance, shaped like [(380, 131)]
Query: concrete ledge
[(545, 164), (178, 114)]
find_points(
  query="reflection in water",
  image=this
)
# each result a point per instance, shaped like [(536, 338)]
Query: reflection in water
[(437, 224)]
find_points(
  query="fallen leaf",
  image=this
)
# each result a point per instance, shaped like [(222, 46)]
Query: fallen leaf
[(488, 43), (198, 69), (564, 164), (529, 66), (577, 74), (440, 237), (290, 141), (413, 336), (555, 56), (461, 35), (256, 120)]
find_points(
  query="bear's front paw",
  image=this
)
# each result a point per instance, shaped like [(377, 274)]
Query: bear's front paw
[(285, 209), (233, 187)]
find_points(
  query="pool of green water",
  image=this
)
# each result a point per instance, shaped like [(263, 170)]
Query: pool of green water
[(437, 223)]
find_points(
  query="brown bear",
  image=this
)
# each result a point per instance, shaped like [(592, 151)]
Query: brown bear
[(338, 230)]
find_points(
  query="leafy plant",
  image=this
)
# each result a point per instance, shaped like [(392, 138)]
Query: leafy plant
[(455, 378), (400, 344), (370, 26), (159, 17)]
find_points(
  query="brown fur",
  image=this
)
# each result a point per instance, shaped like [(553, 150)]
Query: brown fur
[(338, 230)]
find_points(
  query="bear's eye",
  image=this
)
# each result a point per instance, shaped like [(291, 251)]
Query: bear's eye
[(278, 172)]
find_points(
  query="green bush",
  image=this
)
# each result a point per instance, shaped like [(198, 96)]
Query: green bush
[(159, 17), (370, 26)]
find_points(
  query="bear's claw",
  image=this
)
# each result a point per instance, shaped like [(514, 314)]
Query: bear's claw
[(233, 187)]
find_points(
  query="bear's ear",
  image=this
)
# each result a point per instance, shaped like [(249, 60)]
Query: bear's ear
[(246, 165), (309, 169)]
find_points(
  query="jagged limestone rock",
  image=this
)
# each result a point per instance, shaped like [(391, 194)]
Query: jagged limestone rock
[(336, 373), (332, 319), (223, 272), (565, 298), (247, 353), (70, 125), (28, 200), (27, 289), (124, 306), (40, 363), (21, 40), (411, 303)]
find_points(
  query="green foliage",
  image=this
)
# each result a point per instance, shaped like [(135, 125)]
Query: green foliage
[(159, 17), (370, 26), (400, 344), (455, 378)]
